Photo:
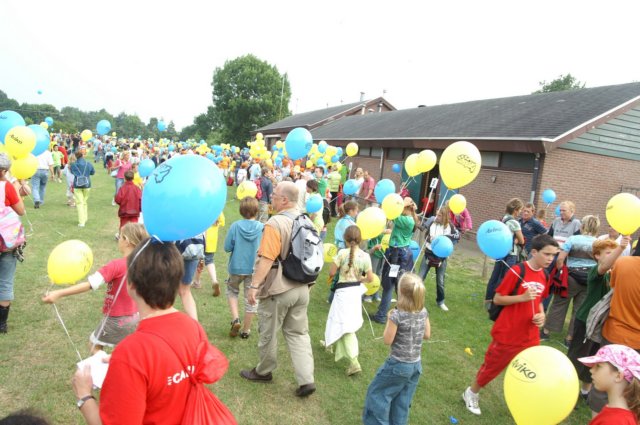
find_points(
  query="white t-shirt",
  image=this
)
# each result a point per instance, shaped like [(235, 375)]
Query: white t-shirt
[(45, 160), (627, 250)]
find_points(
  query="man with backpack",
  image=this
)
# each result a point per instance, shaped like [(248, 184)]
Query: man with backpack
[(283, 300)]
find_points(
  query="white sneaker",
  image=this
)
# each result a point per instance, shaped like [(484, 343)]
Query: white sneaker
[(443, 307), (471, 401), (367, 299)]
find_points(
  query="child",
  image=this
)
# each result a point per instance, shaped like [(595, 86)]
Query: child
[(353, 266), (57, 162), (391, 391), (316, 217), (121, 312), (616, 370), (348, 213), (376, 251), (129, 197), (242, 241), (71, 201), (517, 326), (210, 248)]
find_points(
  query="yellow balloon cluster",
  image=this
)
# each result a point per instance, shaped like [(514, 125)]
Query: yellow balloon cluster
[(623, 213), (69, 262)]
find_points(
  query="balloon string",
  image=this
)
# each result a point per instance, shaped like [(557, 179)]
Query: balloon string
[(370, 324), (55, 308)]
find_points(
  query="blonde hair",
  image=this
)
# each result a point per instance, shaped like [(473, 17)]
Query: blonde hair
[(590, 225), (514, 205), (410, 293), (445, 215), (570, 205), (133, 233), (632, 394)]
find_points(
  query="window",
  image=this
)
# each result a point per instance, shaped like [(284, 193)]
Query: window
[(395, 153), (376, 152), (518, 161), (490, 159), (364, 151)]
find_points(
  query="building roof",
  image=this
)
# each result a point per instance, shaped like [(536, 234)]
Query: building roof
[(314, 118), (545, 117)]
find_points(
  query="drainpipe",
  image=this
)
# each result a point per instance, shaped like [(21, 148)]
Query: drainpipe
[(536, 174)]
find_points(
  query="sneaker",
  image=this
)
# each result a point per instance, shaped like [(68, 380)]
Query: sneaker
[(235, 328), (543, 336), (353, 369), (245, 335), (80, 225), (471, 401), (367, 299), (36, 205), (443, 307)]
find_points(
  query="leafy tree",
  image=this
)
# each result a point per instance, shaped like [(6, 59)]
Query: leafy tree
[(246, 92), (6, 103), (563, 82)]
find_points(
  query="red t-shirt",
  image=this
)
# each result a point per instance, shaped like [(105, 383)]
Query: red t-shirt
[(514, 325), (614, 416), (368, 185), (10, 195), (113, 273), (146, 382)]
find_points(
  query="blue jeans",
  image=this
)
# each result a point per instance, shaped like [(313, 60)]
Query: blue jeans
[(390, 393), (424, 270), (39, 184), (499, 270), (402, 257), (190, 267), (7, 275)]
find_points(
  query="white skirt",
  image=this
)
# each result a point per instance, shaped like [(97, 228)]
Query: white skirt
[(345, 314)]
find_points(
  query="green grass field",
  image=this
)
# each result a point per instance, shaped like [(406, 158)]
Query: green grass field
[(37, 360)]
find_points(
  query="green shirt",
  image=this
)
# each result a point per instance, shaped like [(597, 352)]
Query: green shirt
[(57, 158), (344, 171), (322, 187), (373, 242), (597, 287), (335, 179), (402, 231)]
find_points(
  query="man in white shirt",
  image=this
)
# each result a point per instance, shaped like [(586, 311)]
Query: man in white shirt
[(40, 178)]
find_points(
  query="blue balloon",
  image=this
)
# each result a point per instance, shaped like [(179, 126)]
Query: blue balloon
[(172, 148), (415, 250), (114, 149), (442, 246), (494, 239), (146, 167), (8, 120), (202, 142), (548, 196), (39, 91), (339, 152), (320, 162), (42, 139), (298, 143), (350, 187), (383, 188), (210, 156), (557, 211), (335, 158), (322, 147), (183, 197), (396, 168), (49, 121), (161, 126), (103, 127), (314, 204)]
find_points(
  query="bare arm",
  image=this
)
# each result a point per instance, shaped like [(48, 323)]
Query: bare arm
[(368, 278), (18, 207), (607, 262), (519, 237), (54, 296), (427, 329), (389, 333), (561, 257), (259, 275), (528, 295)]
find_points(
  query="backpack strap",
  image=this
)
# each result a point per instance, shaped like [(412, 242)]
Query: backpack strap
[(521, 274)]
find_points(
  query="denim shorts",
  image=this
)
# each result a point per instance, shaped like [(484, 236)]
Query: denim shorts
[(7, 274), (208, 258), (190, 267)]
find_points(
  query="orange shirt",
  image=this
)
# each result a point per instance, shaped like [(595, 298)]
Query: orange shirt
[(623, 324), (270, 246)]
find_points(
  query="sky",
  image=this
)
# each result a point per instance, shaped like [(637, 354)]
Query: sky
[(157, 58)]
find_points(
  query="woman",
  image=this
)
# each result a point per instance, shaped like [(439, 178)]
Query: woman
[(82, 172), (441, 226), (122, 165), (153, 371), (577, 251), (8, 259)]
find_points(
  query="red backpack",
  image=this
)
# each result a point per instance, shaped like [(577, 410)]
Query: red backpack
[(259, 186)]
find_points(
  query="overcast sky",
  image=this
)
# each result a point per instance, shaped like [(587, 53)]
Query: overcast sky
[(156, 58)]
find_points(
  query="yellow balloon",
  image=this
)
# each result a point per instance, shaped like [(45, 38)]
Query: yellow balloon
[(457, 203), (19, 141), (246, 188), (540, 376), (259, 136), (339, 165), (427, 160), (86, 135), (309, 164), (384, 243), (373, 286), (69, 262), (411, 165), (371, 222), (623, 213), (113, 134), (460, 164), (392, 205), (3, 149), (331, 150), (44, 125), (352, 149), (330, 251), (269, 163), (24, 168)]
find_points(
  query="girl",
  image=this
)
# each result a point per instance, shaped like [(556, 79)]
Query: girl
[(353, 266), (317, 217), (348, 212), (391, 391), (71, 201), (121, 312), (399, 258), (210, 248), (241, 174), (616, 370)]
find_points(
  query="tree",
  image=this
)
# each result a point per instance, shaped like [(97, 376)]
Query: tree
[(563, 82), (246, 92)]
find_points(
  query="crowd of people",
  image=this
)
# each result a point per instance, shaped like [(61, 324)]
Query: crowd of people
[(547, 269)]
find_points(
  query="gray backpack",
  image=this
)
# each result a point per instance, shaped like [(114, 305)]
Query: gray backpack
[(597, 316), (305, 258)]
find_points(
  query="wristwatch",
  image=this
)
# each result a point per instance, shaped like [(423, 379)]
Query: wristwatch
[(83, 400)]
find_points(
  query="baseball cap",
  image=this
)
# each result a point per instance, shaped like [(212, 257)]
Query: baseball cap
[(625, 359)]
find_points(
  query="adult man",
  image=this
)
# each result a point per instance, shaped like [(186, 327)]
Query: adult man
[(565, 225), (266, 186), (39, 179), (367, 198), (283, 302), (334, 179), (531, 227)]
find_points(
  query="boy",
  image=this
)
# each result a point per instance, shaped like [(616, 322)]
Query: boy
[(242, 241), (517, 326), (129, 197)]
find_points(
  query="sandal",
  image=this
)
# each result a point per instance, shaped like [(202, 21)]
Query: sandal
[(245, 335), (235, 328)]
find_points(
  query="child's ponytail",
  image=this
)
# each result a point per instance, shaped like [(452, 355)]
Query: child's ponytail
[(352, 238), (632, 395)]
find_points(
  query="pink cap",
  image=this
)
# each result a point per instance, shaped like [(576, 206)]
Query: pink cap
[(625, 359)]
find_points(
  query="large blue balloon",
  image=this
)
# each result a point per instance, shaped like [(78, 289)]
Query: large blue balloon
[(146, 167), (298, 143), (8, 120), (383, 188), (42, 139), (49, 121), (162, 126), (314, 204), (548, 196), (442, 246), (396, 168), (350, 187), (415, 250), (183, 197), (495, 239), (103, 127)]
